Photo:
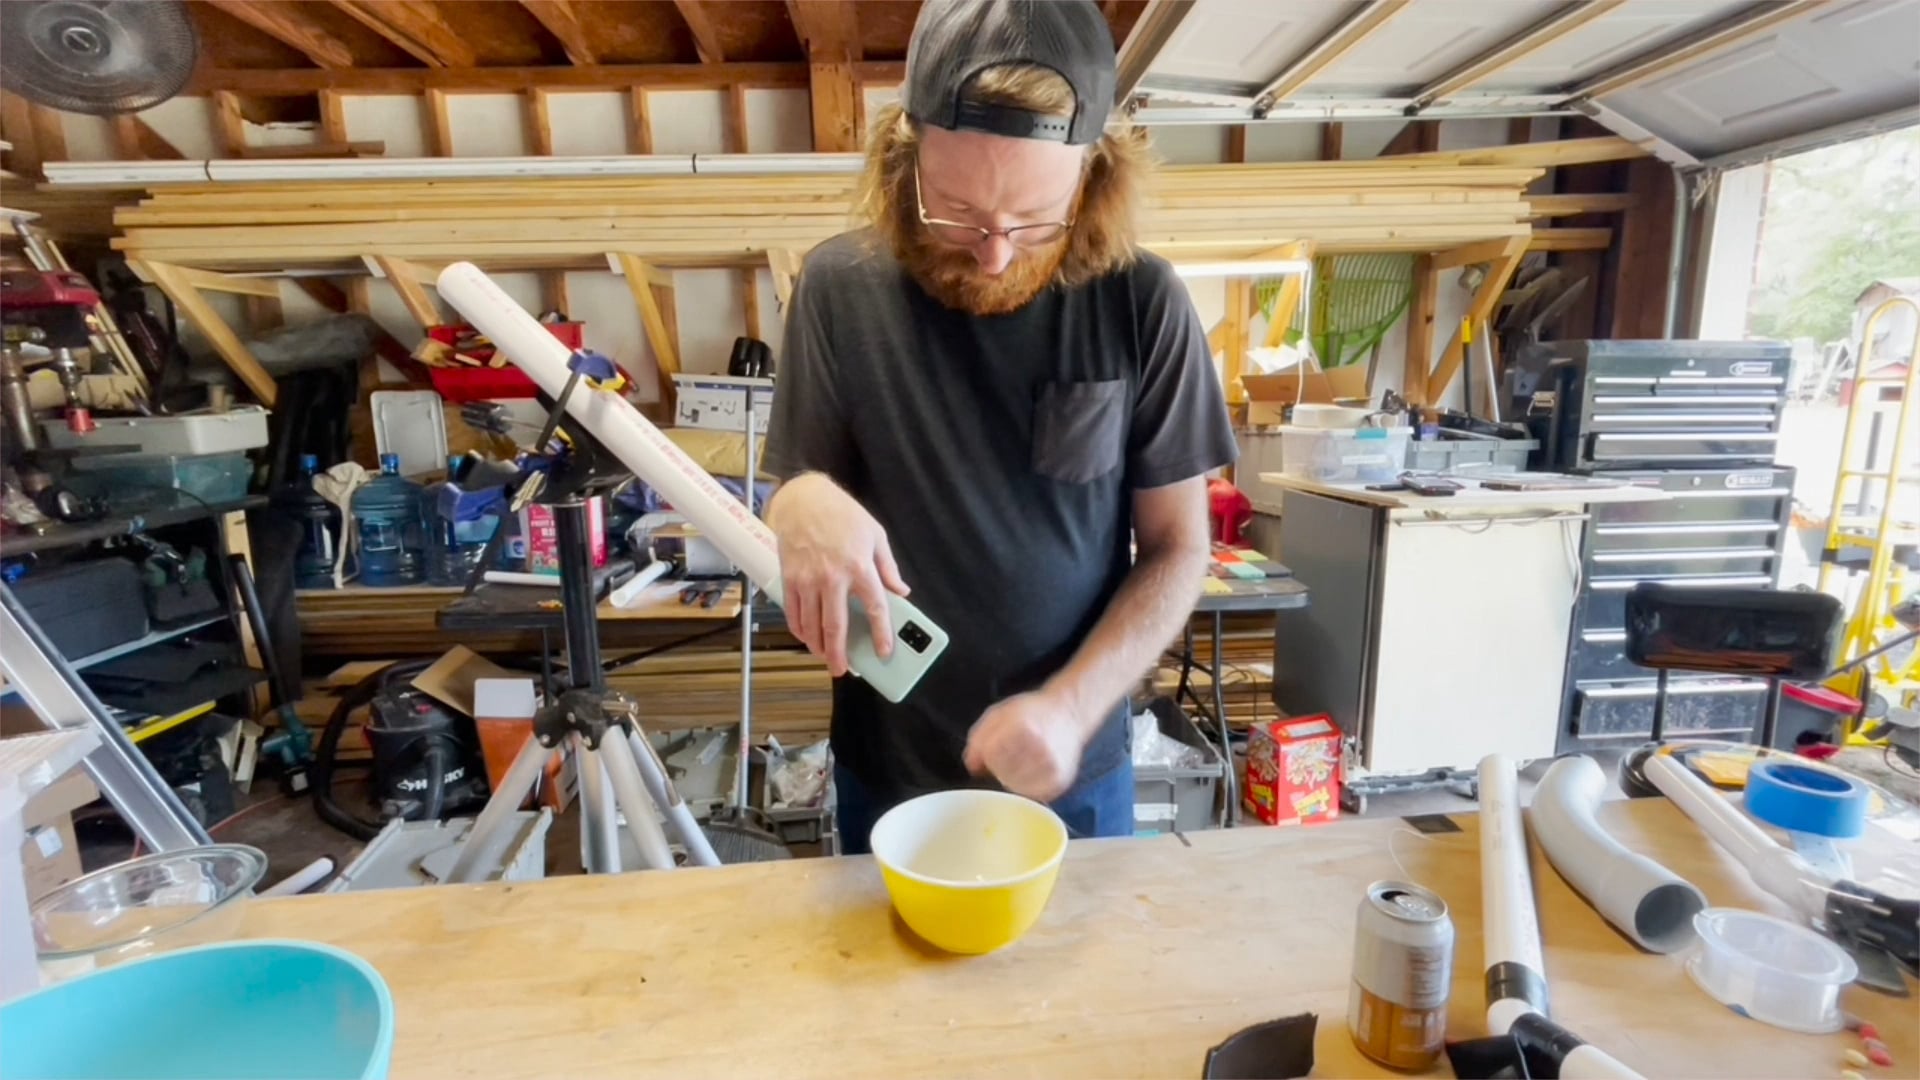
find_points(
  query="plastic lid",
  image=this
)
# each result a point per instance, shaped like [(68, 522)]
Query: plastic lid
[(310, 462), (390, 464), (1772, 970)]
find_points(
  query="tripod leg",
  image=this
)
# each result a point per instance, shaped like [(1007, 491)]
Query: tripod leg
[(488, 839), (632, 792), (667, 797), (599, 821)]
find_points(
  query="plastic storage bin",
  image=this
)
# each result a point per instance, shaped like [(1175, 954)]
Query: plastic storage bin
[(238, 429), (213, 477), (1176, 800), (1484, 455), (1341, 455)]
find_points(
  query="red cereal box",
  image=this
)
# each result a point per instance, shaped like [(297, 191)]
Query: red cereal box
[(1293, 771)]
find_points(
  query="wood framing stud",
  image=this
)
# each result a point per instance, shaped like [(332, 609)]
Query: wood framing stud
[(1332, 138), (706, 40), (539, 123), (1237, 144), (563, 22), (1234, 339), (1360, 26), (736, 134), (1417, 137), (16, 120), (835, 116), (1753, 20), (264, 313), (785, 266), (49, 132), (828, 29), (417, 27), (1286, 305), (553, 293), (284, 22), (1511, 51), (656, 318), (639, 122), (750, 301), (363, 148), (405, 280), (228, 120), (180, 289), (439, 125), (512, 80), (1420, 315), (1150, 34), (333, 116), (1478, 311)]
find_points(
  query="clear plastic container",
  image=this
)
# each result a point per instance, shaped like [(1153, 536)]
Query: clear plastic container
[(144, 905), (319, 522), (1345, 455), (387, 513), (1775, 971), (214, 477)]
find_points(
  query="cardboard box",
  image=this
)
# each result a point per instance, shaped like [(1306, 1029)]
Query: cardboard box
[(1293, 771), (51, 854), (540, 538), (1268, 395), (719, 402)]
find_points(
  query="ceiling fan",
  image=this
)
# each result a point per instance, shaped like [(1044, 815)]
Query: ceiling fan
[(101, 57)]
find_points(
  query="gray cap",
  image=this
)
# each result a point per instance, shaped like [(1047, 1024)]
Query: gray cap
[(955, 40)]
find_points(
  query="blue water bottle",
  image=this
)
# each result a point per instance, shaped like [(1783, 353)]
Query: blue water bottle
[(387, 515), (319, 522)]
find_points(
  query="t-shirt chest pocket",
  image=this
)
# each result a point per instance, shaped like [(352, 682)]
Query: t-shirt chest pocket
[(1080, 429)]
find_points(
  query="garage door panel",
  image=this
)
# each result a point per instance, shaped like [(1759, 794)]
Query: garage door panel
[(1425, 41), (1846, 62), (1631, 30), (1239, 45)]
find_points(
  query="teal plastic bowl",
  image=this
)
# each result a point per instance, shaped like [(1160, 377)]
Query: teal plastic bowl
[(265, 1010)]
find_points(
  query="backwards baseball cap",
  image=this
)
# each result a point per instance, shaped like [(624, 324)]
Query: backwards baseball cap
[(955, 40)]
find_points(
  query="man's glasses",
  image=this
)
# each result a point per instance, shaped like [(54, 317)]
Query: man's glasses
[(961, 234)]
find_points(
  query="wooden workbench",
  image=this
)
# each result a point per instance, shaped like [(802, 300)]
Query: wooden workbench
[(1150, 952)]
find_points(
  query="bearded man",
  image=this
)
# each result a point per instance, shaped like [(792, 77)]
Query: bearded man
[(993, 394)]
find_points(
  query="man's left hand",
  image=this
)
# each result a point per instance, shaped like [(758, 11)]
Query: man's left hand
[(1030, 743)]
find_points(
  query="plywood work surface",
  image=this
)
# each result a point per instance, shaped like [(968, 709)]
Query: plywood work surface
[(1150, 952)]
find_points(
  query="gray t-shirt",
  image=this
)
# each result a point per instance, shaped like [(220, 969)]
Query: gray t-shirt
[(1000, 454)]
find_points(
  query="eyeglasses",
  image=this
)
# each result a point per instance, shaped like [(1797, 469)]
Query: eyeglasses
[(961, 234)]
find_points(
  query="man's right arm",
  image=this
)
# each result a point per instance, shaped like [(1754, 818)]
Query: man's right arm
[(830, 547)]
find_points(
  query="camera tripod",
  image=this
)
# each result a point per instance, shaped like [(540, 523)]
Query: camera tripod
[(621, 775)]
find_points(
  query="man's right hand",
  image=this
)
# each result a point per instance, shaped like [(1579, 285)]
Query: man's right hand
[(830, 549)]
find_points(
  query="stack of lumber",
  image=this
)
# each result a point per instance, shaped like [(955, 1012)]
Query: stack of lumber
[(1421, 202), (64, 216)]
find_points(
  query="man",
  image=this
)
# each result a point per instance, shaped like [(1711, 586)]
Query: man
[(992, 395)]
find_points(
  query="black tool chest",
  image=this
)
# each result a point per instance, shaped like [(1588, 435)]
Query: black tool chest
[(1698, 420)]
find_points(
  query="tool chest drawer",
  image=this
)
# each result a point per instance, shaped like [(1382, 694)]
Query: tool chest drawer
[(1624, 710)]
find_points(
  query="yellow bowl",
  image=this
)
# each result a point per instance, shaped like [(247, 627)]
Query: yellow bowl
[(969, 870)]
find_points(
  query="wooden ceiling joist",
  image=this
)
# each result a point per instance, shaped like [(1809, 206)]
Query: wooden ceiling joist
[(1150, 34), (1326, 52), (700, 23), (1511, 51), (285, 23), (563, 22), (504, 80), (828, 29), (416, 27), (1752, 21)]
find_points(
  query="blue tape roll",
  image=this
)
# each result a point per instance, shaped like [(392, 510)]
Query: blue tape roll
[(1799, 798)]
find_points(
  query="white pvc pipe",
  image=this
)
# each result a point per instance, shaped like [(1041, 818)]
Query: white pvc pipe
[(302, 879), (1773, 867), (1511, 928), (653, 457), (1641, 898), (1510, 931)]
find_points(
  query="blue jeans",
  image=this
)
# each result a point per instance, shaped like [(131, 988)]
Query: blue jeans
[(1100, 806)]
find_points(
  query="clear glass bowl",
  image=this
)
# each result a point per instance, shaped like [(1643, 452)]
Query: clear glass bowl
[(144, 905)]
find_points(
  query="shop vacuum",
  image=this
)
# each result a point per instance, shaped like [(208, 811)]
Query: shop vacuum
[(425, 765)]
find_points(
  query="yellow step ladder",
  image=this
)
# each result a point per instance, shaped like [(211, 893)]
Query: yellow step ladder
[(1864, 536)]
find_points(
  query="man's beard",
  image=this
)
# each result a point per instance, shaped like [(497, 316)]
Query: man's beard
[(953, 277)]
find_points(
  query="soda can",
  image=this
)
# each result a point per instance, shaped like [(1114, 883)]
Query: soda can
[(1402, 972)]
